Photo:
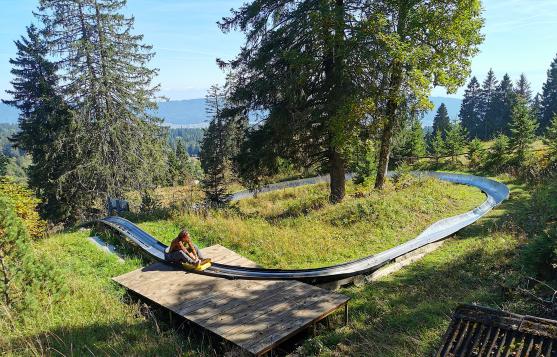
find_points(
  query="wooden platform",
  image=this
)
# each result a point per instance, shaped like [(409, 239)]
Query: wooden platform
[(255, 315)]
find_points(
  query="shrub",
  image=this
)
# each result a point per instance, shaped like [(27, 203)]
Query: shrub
[(455, 141), (438, 148), (149, 202), (550, 139), (25, 206), (363, 163), (499, 153), (476, 154), (539, 255), (22, 278)]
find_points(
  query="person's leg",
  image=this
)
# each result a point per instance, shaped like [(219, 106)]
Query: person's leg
[(181, 257), (199, 254)]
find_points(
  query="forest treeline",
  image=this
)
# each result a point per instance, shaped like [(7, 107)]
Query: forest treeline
[(14, 162), (486, 109), (318, 87), (504, 111)]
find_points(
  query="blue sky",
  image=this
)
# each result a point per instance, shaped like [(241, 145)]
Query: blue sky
[(521, 36)]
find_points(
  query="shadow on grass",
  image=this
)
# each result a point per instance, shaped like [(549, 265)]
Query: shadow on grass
[(146, 338)]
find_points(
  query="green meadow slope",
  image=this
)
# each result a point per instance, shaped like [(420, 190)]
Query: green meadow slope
[(404, 314), (298, 228)]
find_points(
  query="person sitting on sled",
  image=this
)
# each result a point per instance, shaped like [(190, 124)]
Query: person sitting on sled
[(183, 250)]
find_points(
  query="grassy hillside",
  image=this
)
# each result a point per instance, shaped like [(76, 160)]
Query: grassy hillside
[(297, 228), (94, 316), (404, 314)]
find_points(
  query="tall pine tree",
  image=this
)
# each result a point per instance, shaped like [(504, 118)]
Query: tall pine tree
[(489, 87), (537, 108), (550, 139), (549, 96), (470, 110), (109, 87), (523, 89), (441, 121), (499, 113), (47, 129), (216, 149), (523, 128)]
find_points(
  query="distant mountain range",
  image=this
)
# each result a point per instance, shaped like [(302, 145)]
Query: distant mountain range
[(191, 113)]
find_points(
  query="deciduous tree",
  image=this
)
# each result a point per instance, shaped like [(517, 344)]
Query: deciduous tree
[(424, 43), (324, 70)]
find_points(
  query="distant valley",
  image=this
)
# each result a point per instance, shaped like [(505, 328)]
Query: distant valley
[(190, 113)]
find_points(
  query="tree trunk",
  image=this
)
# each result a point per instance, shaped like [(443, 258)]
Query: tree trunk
[(334, 69), (388, 129), (384, 153), (392, 106), (338, 179)]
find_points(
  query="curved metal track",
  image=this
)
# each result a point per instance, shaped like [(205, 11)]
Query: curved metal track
[(496, 193)]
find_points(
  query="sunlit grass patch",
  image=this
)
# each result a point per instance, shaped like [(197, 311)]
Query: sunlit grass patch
[(298, 227), (91, 318)]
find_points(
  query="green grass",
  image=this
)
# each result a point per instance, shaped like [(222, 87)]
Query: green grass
[(298, 228), (91, 318), (407, 313), (404, 314)]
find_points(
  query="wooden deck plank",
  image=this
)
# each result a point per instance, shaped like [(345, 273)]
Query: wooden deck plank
[(243, 313), (254, 314), (284, 328)]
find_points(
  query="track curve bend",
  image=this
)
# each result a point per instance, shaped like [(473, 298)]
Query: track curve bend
[(496, 193)]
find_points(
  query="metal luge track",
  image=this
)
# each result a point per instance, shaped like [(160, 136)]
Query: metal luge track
[(496, 193)]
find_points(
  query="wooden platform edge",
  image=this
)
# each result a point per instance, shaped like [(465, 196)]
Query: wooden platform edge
[(257, 348), (320, 318)]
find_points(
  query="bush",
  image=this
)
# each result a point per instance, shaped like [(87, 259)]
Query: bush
[(540, 255), (499, 154), (476, 154), (363, 163), (25, 206), (22, 278), (540, 222), (149, 202)]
